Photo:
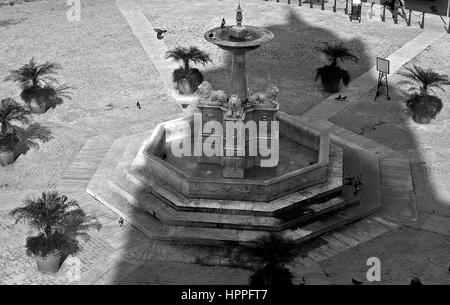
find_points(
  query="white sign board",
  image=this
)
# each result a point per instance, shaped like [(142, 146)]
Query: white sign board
[(382, 65)]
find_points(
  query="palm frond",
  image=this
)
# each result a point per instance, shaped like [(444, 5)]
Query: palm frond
[(55, 211), (191, 54), (31, 137), (11, 111), (33, 74), (178, 53), (424, 80), (198, 56), (336, 52)]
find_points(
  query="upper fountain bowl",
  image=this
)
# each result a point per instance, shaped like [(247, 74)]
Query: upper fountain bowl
[(234, 37)]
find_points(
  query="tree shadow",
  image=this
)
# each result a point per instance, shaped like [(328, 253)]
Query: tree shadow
[(31, 137)]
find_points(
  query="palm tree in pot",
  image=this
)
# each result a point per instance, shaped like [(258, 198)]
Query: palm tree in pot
[(187, 79), (59, 223), (331, 74), (40, 87), (10, 111), (271, 254), (422, 105)]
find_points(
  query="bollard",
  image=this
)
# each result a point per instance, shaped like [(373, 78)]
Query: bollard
[(311, 4), (346, 7), (448, 19), (396, 18), (334, 7), (322, 5), (409, 18), (299, 2), (422, 24), (383, 16)]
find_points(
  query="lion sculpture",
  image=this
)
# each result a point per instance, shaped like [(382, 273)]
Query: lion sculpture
[(270, 96), (205, 92), (234, 105)]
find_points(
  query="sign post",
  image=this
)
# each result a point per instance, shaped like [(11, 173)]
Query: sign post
[(448, 17), (355, 13), (383, 71)]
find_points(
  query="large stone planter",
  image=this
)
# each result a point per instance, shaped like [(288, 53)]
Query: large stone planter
[(6, 157), (331, 86), (36, 108), (49, 263), (420, 119), (184, 88)]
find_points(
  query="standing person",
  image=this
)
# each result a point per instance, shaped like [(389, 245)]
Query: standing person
[(371, 12), (400, 5), (394, 6)]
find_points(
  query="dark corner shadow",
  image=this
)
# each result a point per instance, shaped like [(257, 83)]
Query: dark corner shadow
[(291, 60)]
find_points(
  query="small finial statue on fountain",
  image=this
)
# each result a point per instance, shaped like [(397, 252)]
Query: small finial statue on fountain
[(234, 106), (238, 30), (239, 15)]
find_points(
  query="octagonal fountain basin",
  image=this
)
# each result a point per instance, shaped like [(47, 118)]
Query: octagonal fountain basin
[(303, 162), (251, 37)]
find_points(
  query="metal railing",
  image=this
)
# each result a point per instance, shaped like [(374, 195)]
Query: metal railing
[(410, 13)]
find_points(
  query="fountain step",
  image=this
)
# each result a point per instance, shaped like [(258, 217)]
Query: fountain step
[(155, 229), (145, 200), (309, 196)]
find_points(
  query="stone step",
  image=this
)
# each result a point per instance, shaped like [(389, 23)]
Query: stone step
[(159, 209), (85, 164), (134, 144), (157, 230), (397, 190), (315, 194)]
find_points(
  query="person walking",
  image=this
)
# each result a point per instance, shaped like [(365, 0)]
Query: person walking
[(395, 6)]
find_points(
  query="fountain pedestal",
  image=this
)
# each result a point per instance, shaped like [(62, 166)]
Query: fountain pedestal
[(239, 39), (239, 74)]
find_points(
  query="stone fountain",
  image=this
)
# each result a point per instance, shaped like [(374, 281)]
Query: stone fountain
[(233, 196), (238, 40)]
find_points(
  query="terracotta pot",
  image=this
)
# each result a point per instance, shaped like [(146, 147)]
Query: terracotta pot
[(420, 119), (49, 263), (36, 108), (184, 88), (331, 79), (332, 86), (6, 157)]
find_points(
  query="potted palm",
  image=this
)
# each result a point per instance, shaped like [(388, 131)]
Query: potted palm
[(59, 223), (187, 79), (331, 74), (271, 254), (10, 111), (422, 105), (40, 88)]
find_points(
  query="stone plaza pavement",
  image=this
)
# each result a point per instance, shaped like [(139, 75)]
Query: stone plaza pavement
[(123, 255)]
